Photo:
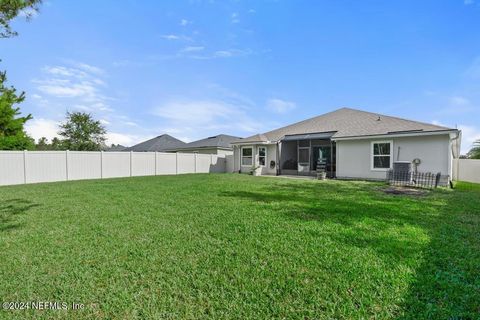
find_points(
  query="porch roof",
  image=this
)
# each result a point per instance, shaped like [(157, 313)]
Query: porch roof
[(308, 136)]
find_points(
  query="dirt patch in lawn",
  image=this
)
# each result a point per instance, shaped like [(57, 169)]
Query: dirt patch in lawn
[(405, 191)]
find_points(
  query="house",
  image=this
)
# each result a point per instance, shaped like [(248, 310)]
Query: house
[(219, 144), (161, 143), (352, 144)]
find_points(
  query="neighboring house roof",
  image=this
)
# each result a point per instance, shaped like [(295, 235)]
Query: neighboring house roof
[(116, 148), (346, 122), (221, 141), (161, 143)]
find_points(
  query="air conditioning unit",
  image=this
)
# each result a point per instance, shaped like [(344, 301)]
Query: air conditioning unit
[(402, 166)]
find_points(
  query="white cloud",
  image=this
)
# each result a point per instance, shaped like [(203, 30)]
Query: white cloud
[(104, 122), (125, 139), (459, 101), (83, 84), (89, 68), (193, 49), (231, 53), (185, 22), (234, 17), (66, 88), (195, 119), (41, 127), (175, 37), (470, 134), (280, 106)]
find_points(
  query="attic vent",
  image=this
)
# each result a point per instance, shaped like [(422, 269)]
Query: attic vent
[(212, 137)]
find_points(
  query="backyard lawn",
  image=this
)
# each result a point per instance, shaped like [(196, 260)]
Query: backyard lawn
[(235, 246)]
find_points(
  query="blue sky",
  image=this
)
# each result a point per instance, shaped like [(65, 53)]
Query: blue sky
[(198, 68)]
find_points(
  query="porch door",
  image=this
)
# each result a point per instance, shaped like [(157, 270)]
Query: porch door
[(304, 157)]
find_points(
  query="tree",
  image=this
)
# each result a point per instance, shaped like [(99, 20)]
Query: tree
[(56, 144), (474, 153), (81, 132), (42, 144), (9, 9), (12, 133)]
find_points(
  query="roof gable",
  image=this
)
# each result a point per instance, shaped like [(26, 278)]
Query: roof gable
[(163, 142)]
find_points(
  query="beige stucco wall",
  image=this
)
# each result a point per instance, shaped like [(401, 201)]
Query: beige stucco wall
[(266, 170), (354, 157)]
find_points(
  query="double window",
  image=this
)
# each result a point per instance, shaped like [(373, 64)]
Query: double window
[(382, 155), (247, 156)]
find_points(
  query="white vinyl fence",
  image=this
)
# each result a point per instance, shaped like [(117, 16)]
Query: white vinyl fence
[(466, 170), (17, 167)]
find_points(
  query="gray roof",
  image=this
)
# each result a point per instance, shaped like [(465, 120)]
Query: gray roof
[(346, 122), (161, 143), (219, 141), (116, 148)]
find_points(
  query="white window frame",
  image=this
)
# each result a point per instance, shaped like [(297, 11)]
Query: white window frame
[(241, 157), (372, 155), (258, 153)]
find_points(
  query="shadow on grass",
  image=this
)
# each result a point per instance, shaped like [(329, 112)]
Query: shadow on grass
[(10, 211), (446, 284)]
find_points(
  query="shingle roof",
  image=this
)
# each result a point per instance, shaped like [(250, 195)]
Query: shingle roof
[(161, 143), (218, 141), (346, 122)]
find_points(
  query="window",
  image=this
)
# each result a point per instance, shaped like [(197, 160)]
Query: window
[(247, 156), (381, 155), (262, 156)]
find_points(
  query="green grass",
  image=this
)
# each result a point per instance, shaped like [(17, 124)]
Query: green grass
[(242, 247)]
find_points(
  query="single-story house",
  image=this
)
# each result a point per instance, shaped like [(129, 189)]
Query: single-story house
[(219, 144), (350, 144), (161, 143)]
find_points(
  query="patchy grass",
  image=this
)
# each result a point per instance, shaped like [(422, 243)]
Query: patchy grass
[(236, 246)]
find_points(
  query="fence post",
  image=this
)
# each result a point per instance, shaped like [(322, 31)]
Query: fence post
[(155, 163), (195, 166), (25, 166), (176, 162), (66, 164), (101, 164), (131, 158)]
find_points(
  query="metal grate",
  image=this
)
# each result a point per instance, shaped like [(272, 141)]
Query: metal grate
[(414, 179)]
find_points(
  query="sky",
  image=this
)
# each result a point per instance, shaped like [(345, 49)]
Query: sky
[(196, 68)]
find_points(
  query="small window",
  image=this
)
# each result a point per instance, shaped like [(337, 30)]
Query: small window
[(247, 156), (381, 155), (262, 156)]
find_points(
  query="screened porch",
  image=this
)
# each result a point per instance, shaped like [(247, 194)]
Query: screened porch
[(306, 154)]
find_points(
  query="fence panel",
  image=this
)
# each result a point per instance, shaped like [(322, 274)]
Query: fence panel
[(204, 163), (17, 167), (115, 164), (143, 163), (166, 163), (185, 163), (12, 169), (45, 166), (84, 165), (467, 170)]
